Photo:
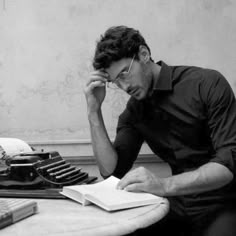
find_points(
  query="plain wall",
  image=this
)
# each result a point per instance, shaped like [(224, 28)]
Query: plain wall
[(47, 46)]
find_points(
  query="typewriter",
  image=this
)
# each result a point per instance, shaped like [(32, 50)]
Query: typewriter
[(39, 171)]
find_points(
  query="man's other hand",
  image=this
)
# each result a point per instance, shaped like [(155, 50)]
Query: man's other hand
[(142, 180)]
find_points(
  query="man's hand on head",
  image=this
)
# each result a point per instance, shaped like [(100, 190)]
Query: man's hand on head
[(95, 90)]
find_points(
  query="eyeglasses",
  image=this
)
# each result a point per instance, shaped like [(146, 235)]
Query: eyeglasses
[(116, 83)]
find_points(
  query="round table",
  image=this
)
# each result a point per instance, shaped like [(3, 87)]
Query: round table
[(68, 218)]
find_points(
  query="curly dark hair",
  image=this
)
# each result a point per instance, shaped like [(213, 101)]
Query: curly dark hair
[(117, 42)]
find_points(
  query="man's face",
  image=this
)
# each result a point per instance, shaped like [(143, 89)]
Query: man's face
[(132, 76)]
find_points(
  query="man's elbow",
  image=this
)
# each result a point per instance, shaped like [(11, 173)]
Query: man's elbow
[(226, 173)]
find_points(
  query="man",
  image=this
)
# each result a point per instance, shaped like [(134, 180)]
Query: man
[(187, 115)]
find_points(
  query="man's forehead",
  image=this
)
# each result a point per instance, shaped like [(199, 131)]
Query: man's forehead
[(116, 67)]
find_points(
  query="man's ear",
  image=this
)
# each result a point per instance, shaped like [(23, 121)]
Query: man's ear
[(143, 54)]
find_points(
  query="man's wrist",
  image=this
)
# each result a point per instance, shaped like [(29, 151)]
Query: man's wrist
[(166, 186), (94, 117)]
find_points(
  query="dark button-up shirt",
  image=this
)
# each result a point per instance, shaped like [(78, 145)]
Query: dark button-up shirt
[(189, 120)]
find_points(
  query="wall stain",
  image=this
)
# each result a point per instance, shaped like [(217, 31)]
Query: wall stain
[(217, 5)]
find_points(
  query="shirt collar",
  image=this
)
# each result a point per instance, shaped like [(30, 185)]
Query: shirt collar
[(163, 82)]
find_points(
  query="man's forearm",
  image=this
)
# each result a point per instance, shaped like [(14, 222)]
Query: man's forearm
[(208, 177), (102, 147)]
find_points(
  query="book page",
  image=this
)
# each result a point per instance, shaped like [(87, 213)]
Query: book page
[(109, 183), (121, 199)]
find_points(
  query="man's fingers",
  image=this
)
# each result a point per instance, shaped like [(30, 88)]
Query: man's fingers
[(94, 79), (128, 180), (98, 76), (95, 84), (134, 176), (137, 187)]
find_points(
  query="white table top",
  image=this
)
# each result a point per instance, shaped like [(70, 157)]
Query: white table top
[(68, 218)]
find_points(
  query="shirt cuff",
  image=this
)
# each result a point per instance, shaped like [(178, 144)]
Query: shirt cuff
[(226, 157)]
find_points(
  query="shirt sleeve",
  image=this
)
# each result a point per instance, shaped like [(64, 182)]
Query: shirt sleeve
[(127, 143), (220, 105)]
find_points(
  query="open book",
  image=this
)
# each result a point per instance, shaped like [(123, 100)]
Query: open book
[(105, 195)]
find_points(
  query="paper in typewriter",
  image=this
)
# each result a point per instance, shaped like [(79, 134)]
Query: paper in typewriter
[(12, 146)]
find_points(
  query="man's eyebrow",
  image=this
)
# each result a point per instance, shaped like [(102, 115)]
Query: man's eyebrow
[(125, 68)]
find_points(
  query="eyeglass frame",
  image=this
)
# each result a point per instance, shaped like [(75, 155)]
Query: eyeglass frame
[(124, 74)]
